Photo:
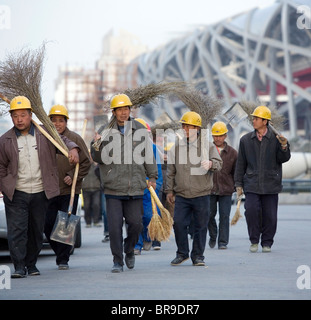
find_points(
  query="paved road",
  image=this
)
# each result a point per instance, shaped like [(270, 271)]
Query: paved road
[(234, 273)]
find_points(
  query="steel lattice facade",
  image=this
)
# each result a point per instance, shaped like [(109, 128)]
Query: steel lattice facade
[(262, 54)]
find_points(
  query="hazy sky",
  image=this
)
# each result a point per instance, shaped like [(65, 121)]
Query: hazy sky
[(74, 29)]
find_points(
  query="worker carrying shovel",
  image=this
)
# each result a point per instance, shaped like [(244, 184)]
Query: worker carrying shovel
[(258, 174), (28, 178), (59, 116)]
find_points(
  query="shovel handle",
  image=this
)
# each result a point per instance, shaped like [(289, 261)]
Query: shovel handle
[(75, 176), (73, 188)]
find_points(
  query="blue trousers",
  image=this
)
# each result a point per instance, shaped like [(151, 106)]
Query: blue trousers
[(261, 217), (184, 209)]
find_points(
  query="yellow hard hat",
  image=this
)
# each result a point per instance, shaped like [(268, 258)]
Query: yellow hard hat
[(191, 118), (59, 110), (262, 112), (219, 128), (20, 102), (120, 100), (144, 123)]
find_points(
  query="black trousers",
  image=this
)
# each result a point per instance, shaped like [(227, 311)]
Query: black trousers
[(59, 203), (185, 209), (261, 217), (132, 212), (25, 216), (92, 206)]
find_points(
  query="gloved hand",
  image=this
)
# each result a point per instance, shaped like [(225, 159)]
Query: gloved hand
[(239, 192), (282, 140)]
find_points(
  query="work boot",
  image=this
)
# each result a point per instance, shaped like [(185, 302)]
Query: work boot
[(130, 260), (117, 268)]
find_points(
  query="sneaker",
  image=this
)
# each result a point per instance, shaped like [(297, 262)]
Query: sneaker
[(212, 243), (33, 271), (130, 260), (97, 224), (147, 245), (253, 247), (178, 260), (156, 245), (198, 262), (88, 226), (137, 252), (106, 239), (117, 268), (266, 249), (222, 247), (19, 273), (63, 266)]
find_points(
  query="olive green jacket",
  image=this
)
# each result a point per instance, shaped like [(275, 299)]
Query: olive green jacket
[(125, 160)]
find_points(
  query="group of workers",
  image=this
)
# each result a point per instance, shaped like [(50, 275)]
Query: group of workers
[(36, 179)]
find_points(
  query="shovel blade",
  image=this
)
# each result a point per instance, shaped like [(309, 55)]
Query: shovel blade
[(235, 114), (65, 228)]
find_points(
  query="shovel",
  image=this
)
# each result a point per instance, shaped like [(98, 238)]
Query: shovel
[(65, 227), (235, 114)]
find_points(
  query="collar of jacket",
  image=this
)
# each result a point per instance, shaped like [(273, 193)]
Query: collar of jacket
[(268, 135), (134, 125), (31, 130), (186, 142)]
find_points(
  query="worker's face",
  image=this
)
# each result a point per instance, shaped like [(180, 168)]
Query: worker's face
[(122, 114), (219, 140), (191, 132), (259, 123), (22, 120), (59, 123)]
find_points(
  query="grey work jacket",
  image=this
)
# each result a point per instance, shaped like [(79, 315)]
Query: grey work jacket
[(185, 177), (125, 160)]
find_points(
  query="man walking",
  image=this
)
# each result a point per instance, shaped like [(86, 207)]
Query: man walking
[(223, 187), (59, 116), (28, 178), (123, 171), (192, 184), (259, 175)]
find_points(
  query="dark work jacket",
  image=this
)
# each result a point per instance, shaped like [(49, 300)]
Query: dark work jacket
[(223, 180), (259, 164)]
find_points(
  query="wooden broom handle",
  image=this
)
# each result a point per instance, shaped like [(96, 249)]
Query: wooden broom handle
[(47, 135), (75, 176)]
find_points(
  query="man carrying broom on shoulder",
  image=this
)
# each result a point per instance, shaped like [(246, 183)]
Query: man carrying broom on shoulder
[(124, 178), (59, 116), (28, 178), (192, 184)]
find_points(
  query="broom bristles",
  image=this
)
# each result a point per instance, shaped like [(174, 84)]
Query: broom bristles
[(21, 75), (237, 214)]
